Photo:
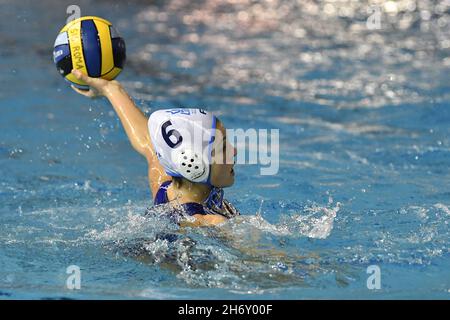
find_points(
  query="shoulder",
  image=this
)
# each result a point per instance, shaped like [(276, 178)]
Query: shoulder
[(208, 219)]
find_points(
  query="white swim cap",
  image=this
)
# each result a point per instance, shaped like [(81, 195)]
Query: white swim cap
[(183, 140)]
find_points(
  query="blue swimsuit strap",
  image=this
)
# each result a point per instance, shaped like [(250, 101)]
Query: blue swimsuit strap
[(190, 208), (193, 208), (161, 195)]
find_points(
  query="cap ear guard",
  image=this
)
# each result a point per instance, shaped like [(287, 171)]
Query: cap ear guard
[(190, 165)]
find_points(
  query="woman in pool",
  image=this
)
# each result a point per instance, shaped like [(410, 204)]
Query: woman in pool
[(189, 159)]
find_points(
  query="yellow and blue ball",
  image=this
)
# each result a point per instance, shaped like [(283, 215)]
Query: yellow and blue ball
[(91, 45)]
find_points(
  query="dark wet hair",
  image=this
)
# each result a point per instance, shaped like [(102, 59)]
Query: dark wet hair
[(178, 181)]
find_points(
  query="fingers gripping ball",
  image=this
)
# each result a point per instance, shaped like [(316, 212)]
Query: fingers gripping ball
[(91, 45)]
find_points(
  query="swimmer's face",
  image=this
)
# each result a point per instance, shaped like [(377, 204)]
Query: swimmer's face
[(223, 156)]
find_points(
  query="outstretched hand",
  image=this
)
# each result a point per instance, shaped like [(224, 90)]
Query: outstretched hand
[(97, 86)]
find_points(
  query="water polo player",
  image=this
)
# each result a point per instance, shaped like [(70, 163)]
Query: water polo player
[(189, 158)]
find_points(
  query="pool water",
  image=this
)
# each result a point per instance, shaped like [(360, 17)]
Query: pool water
[(363, 118)]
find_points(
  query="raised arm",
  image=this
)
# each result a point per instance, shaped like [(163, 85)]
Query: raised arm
[(132, 119)]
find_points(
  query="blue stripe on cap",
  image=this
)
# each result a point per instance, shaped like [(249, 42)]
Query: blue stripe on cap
[(91, 48)]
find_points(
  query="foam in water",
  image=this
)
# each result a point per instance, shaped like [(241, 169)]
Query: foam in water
[(235, 255)]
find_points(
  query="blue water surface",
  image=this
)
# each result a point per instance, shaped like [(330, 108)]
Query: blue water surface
[(363, 118)]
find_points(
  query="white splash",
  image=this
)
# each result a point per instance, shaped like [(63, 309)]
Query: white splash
[(443, 207), (317, 223)]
